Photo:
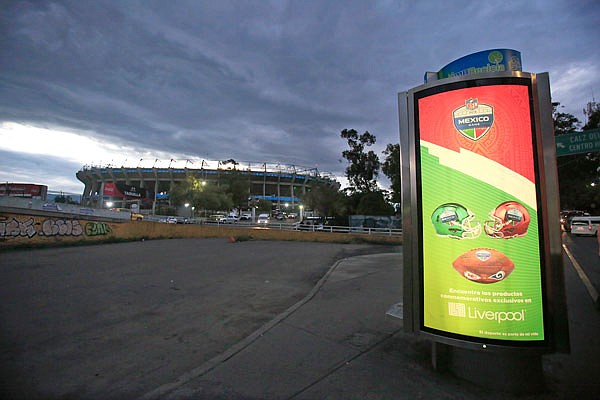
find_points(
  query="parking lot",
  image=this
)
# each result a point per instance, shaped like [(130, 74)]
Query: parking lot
[(117, 320)]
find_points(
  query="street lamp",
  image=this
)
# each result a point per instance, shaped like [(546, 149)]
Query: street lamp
[(301, 210)]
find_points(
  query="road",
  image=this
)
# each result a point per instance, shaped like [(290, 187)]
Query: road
[(118, 320), (584, 249), (575, 375)]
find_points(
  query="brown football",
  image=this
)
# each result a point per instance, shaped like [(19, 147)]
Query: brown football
[(483, 265)]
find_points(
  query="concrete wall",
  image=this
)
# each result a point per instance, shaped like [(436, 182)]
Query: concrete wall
[(7, 202), (35, 228)]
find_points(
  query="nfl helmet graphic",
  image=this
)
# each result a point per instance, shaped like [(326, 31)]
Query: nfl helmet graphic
[(455, 221), (509, 220)]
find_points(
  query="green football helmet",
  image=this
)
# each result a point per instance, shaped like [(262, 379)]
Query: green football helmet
[(455, 221)]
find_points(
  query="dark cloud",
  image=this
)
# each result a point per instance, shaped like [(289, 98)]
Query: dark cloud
[(266, 80), (40, 170)]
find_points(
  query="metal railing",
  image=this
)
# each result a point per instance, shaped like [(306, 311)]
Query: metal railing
[(75, 210), (311, 228)]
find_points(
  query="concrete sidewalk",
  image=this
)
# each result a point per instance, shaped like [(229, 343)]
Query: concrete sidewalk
[(338, 343)]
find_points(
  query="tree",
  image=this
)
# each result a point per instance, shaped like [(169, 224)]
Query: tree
[(204, 197), (64, 199), (214, 198), (186, 191), (363, 165), (578, 173), (230, 161), (563, 122), (374, 203), (238, 187), (592, 113), (592, 160), (391, 169), (264, 206), (325, 199)]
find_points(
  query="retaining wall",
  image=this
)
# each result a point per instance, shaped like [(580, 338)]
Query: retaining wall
[(39, 229)]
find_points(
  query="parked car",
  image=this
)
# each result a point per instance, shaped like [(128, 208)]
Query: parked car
[(134, 216), (587, 225), (566, 217), (309, 225), (263, 219), (246, 217), (171, 220), (229, 219)]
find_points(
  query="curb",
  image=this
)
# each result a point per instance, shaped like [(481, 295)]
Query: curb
[(584, 278)]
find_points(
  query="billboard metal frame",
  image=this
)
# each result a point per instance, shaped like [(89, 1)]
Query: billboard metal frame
[(554, 304)]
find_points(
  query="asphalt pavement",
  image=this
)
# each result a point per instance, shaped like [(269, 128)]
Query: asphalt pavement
[(338, 343), (115, 321), (207, 319), (583, 253)]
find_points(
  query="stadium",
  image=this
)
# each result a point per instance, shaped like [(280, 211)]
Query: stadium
[(146, 187)]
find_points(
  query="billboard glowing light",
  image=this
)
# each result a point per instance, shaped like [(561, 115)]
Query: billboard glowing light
[(478, 243), (470, 138)]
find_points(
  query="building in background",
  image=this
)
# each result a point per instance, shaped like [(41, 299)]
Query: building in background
[(146, 187), (24, 190)]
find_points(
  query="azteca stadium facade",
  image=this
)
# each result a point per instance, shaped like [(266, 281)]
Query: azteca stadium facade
[(148, 186)]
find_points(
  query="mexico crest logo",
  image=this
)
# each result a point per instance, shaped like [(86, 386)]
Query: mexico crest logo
[(474, 119)]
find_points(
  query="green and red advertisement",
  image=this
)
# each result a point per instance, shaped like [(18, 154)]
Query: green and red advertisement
[(480, 239), (482, 251)]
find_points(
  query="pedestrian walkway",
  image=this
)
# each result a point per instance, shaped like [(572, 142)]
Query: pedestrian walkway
[(338, 343)]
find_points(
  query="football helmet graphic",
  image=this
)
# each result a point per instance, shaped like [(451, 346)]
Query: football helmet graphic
[(455, 221), (509, 220)]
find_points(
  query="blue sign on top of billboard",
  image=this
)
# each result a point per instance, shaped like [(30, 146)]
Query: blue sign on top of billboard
[(494, 60)]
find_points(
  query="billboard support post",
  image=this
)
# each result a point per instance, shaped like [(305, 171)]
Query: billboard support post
[(483, 274)]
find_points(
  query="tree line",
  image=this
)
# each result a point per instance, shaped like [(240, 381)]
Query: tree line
[(363, 196), (578, 177), (578, 174)]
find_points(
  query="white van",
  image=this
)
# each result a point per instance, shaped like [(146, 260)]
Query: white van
[(586, 225), (263, 219)]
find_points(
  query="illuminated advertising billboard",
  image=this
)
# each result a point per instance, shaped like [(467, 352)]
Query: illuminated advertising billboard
[(480, 239), (494, 60), (124, 191)]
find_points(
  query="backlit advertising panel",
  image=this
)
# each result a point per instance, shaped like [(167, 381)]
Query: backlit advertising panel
[(494, 60), (480, 243)]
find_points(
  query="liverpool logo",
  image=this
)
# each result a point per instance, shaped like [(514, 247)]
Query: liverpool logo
[(474, 119)]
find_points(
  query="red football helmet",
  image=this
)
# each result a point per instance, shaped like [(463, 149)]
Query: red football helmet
[(509, 220)]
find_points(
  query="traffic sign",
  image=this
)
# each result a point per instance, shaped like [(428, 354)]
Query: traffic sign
[(578, 142)]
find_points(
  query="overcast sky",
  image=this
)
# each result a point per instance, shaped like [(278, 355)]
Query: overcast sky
[(93, 81)]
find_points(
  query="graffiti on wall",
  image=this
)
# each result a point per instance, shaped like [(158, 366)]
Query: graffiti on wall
[(61, 227), (15, 228), (27, 227), (97, 229)]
